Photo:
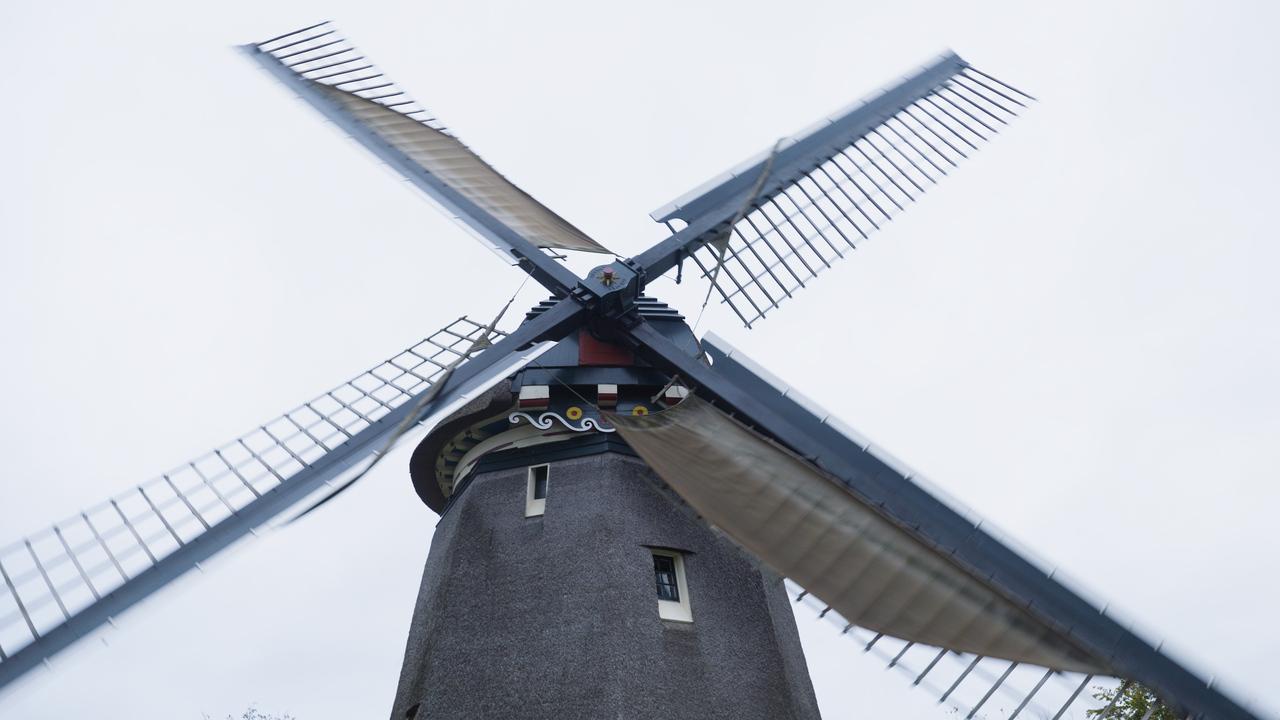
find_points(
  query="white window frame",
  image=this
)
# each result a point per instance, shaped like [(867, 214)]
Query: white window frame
[(533, 507), (670, 609)]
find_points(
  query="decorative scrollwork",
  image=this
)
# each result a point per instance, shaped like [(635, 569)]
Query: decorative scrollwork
[(545, 420)]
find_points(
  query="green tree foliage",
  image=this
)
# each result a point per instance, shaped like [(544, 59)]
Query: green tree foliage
[(1133, 704), (253, 713)]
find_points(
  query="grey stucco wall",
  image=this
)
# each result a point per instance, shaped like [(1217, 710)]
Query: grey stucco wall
[(556, 616)]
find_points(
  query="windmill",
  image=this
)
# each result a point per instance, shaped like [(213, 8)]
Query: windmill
[(603, 373)]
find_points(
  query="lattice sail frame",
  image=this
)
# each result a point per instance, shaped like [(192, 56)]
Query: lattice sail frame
[(330, 74), (786, 237), (342, 67), (53, 574), (971, 684)]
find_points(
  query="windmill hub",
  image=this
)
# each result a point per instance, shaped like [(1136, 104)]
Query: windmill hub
[(610, 291)]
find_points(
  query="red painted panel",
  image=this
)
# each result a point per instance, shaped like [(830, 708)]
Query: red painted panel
[(598, 352)]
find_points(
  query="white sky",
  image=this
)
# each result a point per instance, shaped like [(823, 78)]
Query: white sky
[(1075, 334)]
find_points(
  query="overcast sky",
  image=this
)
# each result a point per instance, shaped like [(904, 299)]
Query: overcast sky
[(1075, 334)]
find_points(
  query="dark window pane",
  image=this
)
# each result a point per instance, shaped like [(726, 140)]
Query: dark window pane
[(540, 482), (664, 572)]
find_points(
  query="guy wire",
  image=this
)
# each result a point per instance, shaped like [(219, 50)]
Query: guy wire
[(722, 245)]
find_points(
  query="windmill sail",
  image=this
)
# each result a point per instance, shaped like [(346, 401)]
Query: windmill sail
[(804, 523), (849, 524), (343, 85), (62, 582), (864, 574), (772, 224)]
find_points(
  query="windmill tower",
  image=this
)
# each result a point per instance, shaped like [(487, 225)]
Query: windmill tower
[(565, 580), (620, 500)]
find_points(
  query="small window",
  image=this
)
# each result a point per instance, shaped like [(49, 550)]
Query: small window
[(539, 482), (664, 571), (673, 591), (535, 502)]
